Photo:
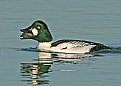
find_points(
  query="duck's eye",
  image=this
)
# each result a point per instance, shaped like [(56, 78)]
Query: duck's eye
[(38, 27)]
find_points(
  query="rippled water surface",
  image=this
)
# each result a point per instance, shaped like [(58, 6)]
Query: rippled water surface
[(95, 20)]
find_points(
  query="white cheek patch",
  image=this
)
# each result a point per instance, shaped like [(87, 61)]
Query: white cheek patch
[(35, 31)]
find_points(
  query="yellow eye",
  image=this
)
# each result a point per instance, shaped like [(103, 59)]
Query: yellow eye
[(38, 27)]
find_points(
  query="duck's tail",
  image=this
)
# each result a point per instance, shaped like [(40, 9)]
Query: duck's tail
[(111, 50), (106, 49)]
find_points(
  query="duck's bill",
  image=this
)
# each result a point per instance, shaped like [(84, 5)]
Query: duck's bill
[(26, 34)]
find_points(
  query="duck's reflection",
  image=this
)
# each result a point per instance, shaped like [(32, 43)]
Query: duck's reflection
[(73, 58), (36, 72)]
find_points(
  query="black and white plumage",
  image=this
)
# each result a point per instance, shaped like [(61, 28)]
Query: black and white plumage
[(39, 31), (72, 46)]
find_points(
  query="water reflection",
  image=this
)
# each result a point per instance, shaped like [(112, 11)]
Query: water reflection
[(74, 58), (36, 72)]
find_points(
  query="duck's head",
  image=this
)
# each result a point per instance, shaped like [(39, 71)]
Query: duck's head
[(37, 31)]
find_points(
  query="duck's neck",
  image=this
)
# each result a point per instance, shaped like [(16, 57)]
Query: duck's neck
[(44, 45)]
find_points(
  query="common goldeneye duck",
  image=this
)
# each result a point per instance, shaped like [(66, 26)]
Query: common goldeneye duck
[(39, 31)]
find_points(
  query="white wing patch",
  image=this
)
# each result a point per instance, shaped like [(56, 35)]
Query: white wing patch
[(35, 31)]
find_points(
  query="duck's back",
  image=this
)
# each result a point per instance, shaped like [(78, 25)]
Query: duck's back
[(76, 46)]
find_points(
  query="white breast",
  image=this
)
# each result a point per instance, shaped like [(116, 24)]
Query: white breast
[(44, 46)]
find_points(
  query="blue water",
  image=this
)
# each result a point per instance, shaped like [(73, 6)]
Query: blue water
[(95, 20)]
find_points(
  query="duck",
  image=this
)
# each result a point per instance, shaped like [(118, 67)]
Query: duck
[(40, 32)]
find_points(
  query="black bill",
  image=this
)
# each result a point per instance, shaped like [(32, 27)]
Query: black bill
[(26, 33)]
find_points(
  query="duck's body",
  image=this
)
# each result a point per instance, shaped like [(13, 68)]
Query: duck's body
[(71, 46), (40, 32)]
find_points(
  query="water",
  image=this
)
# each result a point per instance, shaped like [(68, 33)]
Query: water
[(95, 20)]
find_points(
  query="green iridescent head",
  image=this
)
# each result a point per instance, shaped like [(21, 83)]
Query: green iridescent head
[(37, 31)]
